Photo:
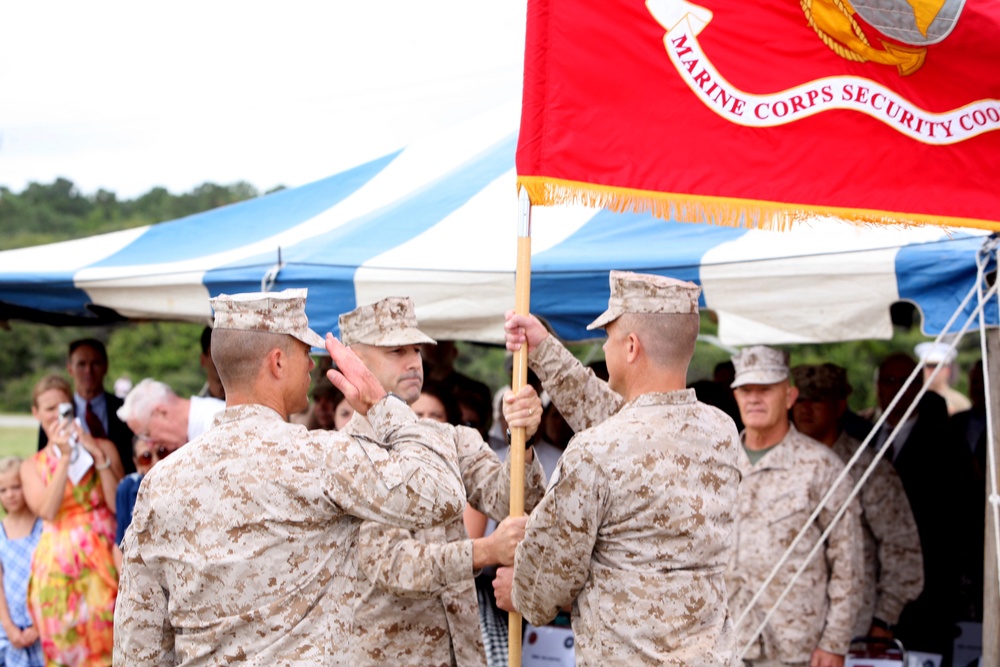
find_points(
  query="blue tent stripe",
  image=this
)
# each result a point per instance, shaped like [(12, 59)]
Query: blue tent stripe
[(243, 223), (51, 292), (572, 277), (936, 277), (327, 262)]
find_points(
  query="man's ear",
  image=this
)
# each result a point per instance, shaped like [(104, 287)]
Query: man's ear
[(793, 395), (276, 361), (633, 347)]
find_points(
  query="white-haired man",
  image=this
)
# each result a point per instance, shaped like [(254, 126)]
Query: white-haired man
[(155, 413)]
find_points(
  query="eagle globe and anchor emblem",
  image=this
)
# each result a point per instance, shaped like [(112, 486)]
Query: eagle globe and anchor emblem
[(915, 24)]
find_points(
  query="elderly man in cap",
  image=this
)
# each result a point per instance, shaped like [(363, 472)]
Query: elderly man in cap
[(419, 604), (894, 565), (242, 545), (785, 475), (636, 527)]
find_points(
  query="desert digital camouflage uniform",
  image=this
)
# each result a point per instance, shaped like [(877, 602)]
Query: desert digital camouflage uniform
[(894, 563), (777, 495), (243, 543), (418, 603), (636, 527)]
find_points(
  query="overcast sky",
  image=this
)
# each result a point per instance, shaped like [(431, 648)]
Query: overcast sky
[(130, 95)]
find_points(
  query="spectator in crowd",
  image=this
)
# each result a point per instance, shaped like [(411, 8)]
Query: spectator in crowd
[(122, 386), (19, 643), (637, 525), (475, 412), (439, 366), (146, 453), (69, 484), (941, 357), (242, 545), (937, 476), (87, 364), (419, 603), (154, 412), (894, 566), (968, 430), (437, 402), (785, 475), (330, 409), (213, 384)]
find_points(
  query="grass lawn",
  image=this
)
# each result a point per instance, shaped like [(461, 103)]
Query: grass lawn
[(20, 441)]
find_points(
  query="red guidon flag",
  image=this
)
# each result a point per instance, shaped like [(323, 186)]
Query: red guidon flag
[(763, 113)]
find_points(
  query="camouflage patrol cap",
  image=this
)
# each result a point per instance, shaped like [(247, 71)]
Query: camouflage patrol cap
[(646, 293), (386, 323), (760, 365), (271, 312), (823, 382)]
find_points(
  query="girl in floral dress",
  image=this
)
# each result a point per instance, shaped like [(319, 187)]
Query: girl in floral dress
[(73, 578)]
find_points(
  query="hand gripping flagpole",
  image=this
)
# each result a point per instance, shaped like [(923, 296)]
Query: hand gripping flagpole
[(522, 303)]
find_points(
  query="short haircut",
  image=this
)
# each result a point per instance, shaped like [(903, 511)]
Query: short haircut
[(667, 338), (92, 343), (48, 382), (238, 354), (144, 397), (9, 463), (206, 340)]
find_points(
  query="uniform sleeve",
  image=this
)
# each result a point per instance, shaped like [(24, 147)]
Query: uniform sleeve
[(412, 481), (552, 564), (142, 634), (583, 399), (487, 479), (404, 566), (901, 564), (844, 555)]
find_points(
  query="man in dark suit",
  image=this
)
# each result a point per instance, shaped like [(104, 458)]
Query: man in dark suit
[(937, 477), (87, 364)]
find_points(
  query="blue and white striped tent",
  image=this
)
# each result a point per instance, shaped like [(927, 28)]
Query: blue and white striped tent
[(437, 222)]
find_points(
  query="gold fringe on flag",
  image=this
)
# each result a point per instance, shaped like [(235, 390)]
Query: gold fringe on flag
[(721, 211)]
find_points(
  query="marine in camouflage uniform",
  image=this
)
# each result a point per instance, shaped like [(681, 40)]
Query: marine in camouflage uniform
[(242, 547), (418, 604), (894, 566), (778, 493), (636, 528)]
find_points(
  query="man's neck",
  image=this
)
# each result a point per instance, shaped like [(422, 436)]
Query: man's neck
[(763, 438), (653, 382), (89, 394)]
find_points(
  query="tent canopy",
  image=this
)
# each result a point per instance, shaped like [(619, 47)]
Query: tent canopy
[(437, 221)]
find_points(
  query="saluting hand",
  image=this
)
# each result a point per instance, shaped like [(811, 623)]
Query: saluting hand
[(361, 389)]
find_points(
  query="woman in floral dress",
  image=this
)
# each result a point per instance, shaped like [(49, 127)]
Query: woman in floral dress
[(74, 583)]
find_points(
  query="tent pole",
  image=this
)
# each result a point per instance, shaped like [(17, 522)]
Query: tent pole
[(991, 585), (522, 303)]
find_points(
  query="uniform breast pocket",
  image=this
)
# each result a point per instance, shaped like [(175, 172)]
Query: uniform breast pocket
[(788, 511), (387, 468)]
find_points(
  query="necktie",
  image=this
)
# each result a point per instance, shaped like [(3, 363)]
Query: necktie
[(94, 423)]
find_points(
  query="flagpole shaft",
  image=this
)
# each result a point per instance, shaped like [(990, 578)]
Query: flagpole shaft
[(522, 306)]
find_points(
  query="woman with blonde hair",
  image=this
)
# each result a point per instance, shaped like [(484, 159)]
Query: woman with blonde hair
[(71, 485)]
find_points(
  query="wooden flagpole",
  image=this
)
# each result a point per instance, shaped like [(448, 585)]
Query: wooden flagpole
[(522, 303)]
